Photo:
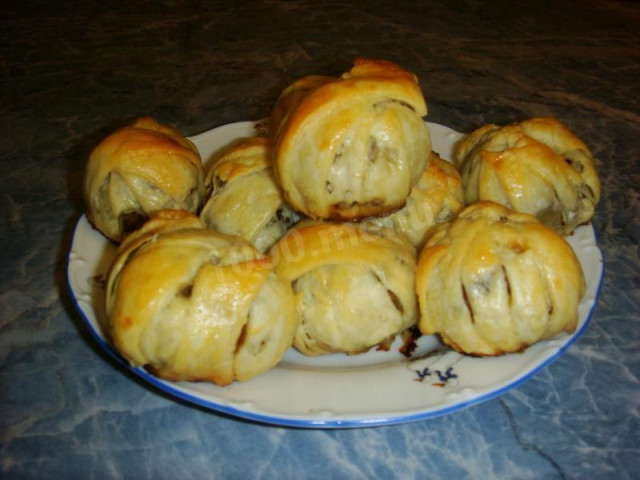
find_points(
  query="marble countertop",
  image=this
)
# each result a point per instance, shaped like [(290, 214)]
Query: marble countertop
[(72, 71)]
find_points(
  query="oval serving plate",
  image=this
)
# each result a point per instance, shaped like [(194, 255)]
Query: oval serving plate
[(340, 391)]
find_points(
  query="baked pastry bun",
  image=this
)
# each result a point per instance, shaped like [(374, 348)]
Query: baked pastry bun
[(193, 304), (139, 170), (244, 198), (351, 147), (494, 281), (435, 199), (354, 286), (537, 166)]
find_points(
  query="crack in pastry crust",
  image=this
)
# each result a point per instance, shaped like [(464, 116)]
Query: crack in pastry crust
[(193, 304), (354, 287), (353, 146), (137, 171), (494, 281), (537, 166)]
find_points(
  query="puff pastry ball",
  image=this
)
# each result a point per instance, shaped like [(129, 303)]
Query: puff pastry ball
[(537, 166), (139, 170), (244, 198), (494, 281), (192, 304), (354, 286), (351, 147), (436, 198)]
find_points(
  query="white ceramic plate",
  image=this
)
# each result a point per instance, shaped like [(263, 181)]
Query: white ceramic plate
[(339, 391)]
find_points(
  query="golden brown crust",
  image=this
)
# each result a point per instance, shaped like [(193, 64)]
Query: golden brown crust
[(436, 198), (353, 146), (353, 285), (537, 166), (188, 303), (244, 156), (137, 171), (494, 281), (291, 97), (244, 198)]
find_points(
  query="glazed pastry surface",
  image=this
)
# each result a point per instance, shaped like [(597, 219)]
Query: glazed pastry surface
[(436, 198), (354, 286), (244, 198), (193, 304), (537, 166), (353, 146), (137, 171), (495, 281)]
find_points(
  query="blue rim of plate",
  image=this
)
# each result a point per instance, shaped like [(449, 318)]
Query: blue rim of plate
[(373, 421)]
